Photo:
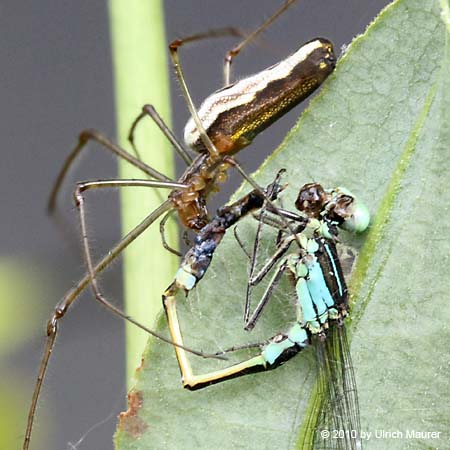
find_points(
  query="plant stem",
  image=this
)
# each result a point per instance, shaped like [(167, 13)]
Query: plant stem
[(140, 76)]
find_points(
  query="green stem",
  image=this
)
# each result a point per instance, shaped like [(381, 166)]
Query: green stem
[(140, 75)]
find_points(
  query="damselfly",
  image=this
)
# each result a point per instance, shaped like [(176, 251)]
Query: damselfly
[(321, 299)]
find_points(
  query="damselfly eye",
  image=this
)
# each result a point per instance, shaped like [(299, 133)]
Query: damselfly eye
[(342, 208), (310, 199), (346, 200)]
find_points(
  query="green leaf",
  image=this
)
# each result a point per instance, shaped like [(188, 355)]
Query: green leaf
[(380, 127)]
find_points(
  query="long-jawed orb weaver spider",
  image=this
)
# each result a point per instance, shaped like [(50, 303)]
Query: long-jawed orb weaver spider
[(226, 122)]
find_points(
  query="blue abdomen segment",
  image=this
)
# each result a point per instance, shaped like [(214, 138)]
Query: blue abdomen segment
[(318, 289), (275, 349), (316, 303), (295, 340), (307, 311), (185, 279)]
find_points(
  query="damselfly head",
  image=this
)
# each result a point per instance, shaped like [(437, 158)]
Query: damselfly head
[(311, 199), (345, 209)]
